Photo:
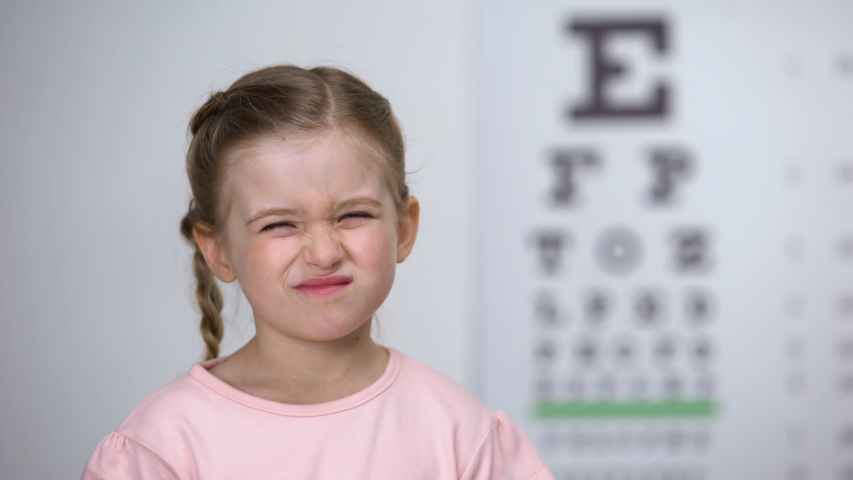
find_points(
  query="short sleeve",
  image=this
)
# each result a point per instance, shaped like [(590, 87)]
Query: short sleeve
[(120, 458), (506, 453)]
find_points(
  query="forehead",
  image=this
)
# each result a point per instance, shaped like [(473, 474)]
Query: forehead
[(316, 168)]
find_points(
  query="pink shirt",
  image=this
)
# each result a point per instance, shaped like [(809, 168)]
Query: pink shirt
[(412, 423)]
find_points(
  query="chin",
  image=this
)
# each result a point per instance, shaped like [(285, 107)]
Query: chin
[(333, 329)]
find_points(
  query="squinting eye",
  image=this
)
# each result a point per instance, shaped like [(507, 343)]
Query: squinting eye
[(277, 225), (355, 216)]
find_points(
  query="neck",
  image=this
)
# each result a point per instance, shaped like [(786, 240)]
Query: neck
[(314, 361), (292, 370)]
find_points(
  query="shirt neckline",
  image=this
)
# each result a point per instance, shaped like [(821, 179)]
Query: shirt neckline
[(200, 372)]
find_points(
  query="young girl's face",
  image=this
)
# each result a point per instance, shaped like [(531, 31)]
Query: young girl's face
[(312, 234)]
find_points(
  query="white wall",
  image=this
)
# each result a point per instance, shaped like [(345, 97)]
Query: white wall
[(759, 226), (95, 284)]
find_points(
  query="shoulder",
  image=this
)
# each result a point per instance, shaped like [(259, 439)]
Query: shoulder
[(165, 404), (167, 419), (428, 386), (153, 438), (119, 457), (488, 444), (506, 452), (441, 408)]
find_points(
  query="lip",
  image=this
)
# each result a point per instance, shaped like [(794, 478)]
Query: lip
[(324, 285)]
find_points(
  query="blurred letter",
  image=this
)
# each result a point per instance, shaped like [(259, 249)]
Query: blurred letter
[(603, 69)]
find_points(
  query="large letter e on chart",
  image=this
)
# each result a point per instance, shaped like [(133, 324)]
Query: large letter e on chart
[(603, 70)]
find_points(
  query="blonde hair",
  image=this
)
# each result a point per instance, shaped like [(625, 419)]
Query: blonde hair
[(281, 101)]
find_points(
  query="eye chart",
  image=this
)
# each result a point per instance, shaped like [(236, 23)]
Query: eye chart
[(667, 205)]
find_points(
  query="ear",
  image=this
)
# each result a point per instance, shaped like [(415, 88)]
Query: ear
[(407, 228), (214, 253)]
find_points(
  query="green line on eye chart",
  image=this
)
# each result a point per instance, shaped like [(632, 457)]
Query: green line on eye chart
[(548, 410)]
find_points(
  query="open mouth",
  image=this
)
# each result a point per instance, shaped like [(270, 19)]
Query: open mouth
[(324, 285)]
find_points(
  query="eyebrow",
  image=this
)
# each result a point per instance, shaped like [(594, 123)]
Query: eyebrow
[(352, 202), (270, 212)]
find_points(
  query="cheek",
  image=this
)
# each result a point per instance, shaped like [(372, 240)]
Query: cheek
[(374, 248), (265, 259)]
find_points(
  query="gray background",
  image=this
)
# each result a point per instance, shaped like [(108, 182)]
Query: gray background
[(95, 284)]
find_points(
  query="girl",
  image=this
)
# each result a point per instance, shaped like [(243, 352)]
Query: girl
[(299, 194)]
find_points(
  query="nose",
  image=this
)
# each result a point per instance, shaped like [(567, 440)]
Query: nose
[(323, 250)]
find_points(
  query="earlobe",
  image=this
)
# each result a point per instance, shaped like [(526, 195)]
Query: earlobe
[(214, 253), (407, 228)]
